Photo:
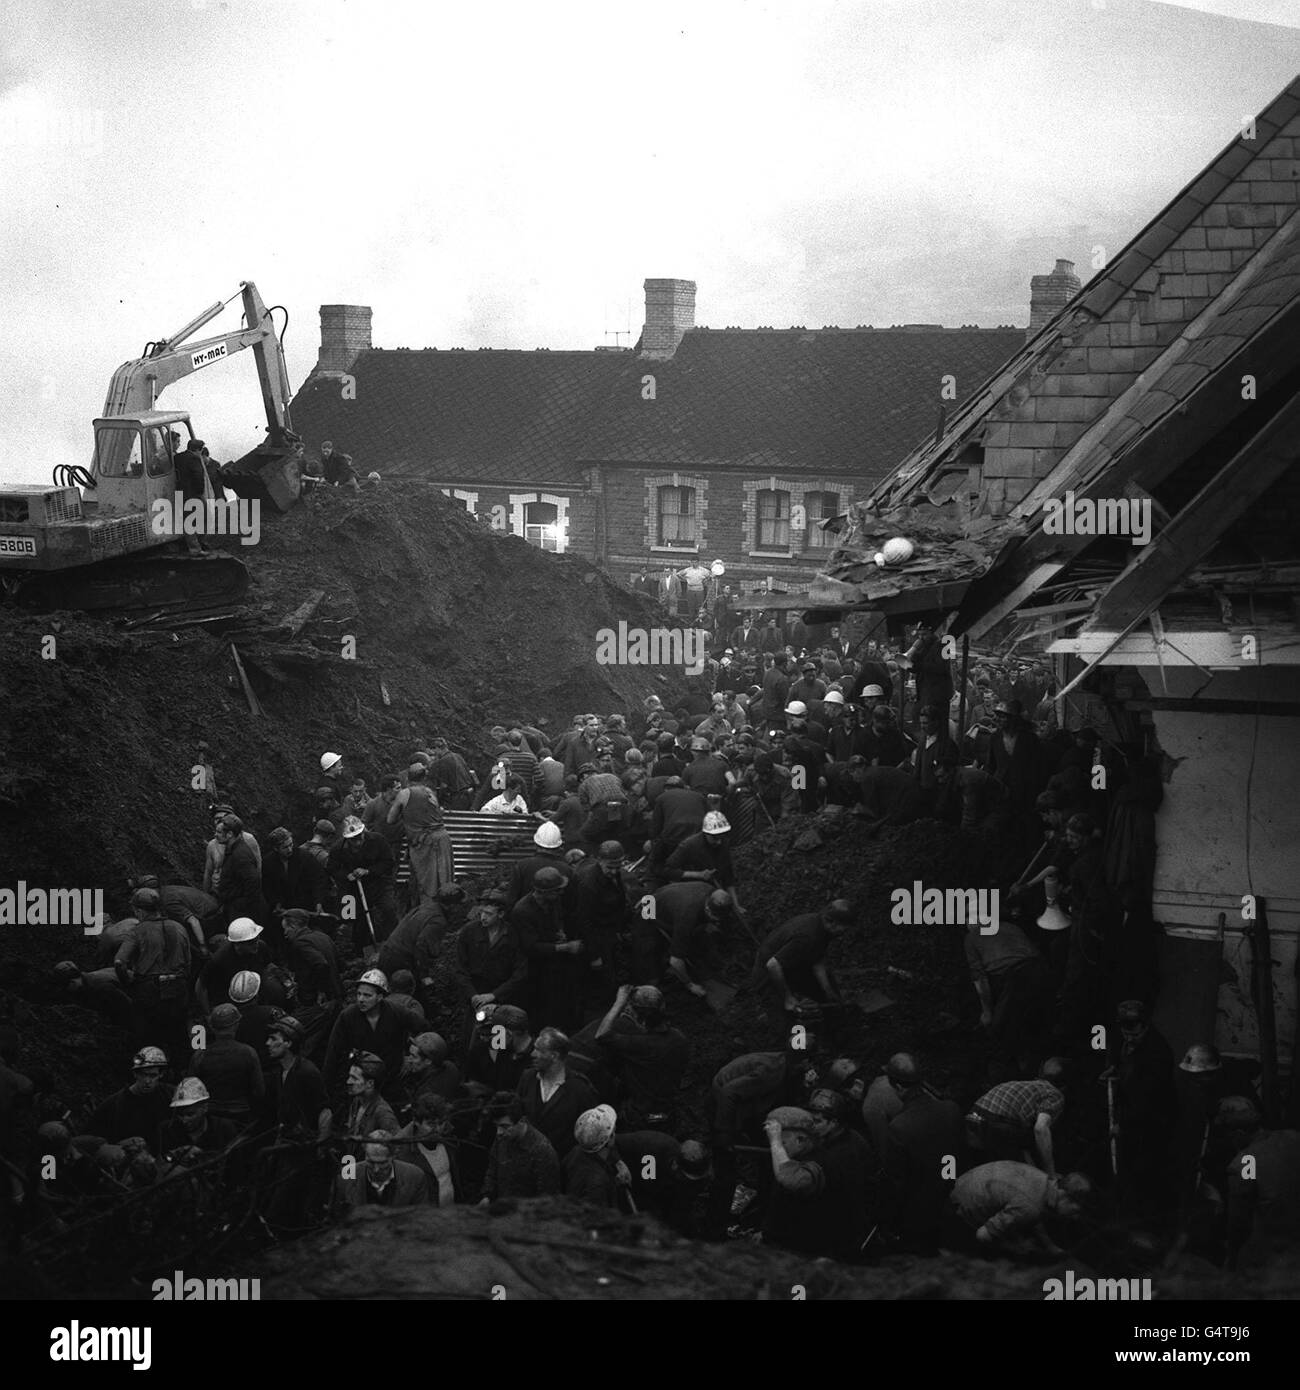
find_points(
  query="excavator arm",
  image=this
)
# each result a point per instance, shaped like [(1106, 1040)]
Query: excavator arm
[(136, 386)]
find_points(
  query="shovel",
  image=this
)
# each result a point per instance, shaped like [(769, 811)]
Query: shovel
[(369, 952)]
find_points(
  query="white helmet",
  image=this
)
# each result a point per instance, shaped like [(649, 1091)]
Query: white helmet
[(243, 929), (797, 708), (547, 836), (244, 987), (330, 760), (833, 697), (372, 477), (352, 827), (874, 691), (376, 979), (191, 1091), (715, 823), (897, 551), (595, 1128)]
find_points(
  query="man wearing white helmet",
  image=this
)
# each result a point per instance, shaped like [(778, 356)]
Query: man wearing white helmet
[(369, 1025), (705, 857), (362, 867), (593, 1171), (193, 1134), (138, 1108), (245, 948)]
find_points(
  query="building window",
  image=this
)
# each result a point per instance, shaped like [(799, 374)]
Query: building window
[(820, 506), (773, 531), (676, 516), (542, 525)]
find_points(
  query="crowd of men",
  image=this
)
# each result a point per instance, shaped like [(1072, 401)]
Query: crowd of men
[(292, 1033)]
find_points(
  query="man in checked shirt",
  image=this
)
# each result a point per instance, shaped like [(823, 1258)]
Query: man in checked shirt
[(1014, 1120)]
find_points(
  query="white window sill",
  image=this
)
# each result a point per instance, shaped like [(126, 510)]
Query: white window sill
[(675, 549), (770, 555)]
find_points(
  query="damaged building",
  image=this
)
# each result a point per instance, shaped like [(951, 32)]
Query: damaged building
[(1122, 496)]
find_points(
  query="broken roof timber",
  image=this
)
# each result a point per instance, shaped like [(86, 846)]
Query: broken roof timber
[(1207, 648), (1191, 535)]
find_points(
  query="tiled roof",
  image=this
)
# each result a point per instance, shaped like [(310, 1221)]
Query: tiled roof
[(793, 400), (822, 401), (474, 416)]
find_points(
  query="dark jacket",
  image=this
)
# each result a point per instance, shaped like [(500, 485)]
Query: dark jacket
[(240, 889), (556, 1117)]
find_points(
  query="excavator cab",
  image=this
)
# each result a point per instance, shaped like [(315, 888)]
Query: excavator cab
[(135, 465)]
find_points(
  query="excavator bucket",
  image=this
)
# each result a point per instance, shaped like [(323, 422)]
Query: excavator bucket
[(268, 474)]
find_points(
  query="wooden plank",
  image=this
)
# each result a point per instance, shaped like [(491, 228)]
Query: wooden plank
[(1192, 534), (253, 705), (300, 616)]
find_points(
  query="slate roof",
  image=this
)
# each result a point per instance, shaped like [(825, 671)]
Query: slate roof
[(792, 400), (846, 401), (462, 416)]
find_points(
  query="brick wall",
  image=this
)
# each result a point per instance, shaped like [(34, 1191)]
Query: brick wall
[(725, 503), (669, 312), (500, 507), (1049, 409), (344, 332)]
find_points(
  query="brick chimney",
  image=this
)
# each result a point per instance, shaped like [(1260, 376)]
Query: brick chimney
[(1049, 294), (344, 333), (669, 312)]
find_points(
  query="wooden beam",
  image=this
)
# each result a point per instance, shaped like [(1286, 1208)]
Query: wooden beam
[(1218, 650), (1193, 532)]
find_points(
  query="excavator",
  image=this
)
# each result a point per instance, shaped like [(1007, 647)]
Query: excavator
[(111, 538)]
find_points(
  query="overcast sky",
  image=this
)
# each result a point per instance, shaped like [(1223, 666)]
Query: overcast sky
[(507, 175)]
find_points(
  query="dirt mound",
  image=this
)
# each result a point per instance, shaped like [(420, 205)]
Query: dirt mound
[(549, 1249), (455, 628)]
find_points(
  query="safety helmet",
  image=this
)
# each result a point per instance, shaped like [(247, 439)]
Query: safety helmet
[(547, 836), (146, 900), (289, 1028), (377, 978), (370, 1066), (700, 744), (797, 709), (595, 1128), (511, 1016), (224, 1018), (833, 697), (549, 880), (494, 897), (330, 760), (715, 823), (792, 1117), (1201, 1057), (148, 1057), (611, 851), (191, 1091), (718, 902), (243, 929), (372, 477), (648, 997), (1237, 1112), (352, 827), (244, 987), (432, 1046), (878, 691)]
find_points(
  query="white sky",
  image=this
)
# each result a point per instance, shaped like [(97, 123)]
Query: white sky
[(507, 174)]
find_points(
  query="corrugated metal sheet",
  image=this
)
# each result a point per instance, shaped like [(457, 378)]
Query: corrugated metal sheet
[(481, 843)]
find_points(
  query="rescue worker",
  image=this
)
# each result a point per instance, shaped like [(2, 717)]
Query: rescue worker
[(550, 854), (548, 942), (522, 1161), (230, 1070), (194, 1133), (141, 1107), (554, 1096), (382, 1180), (428, 1070), (153, 966), (362, 869), (421, 817), (593, 1171), (366, 1108), (371, 1025), (650, 1061), (300, 1110), (793, 957)]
